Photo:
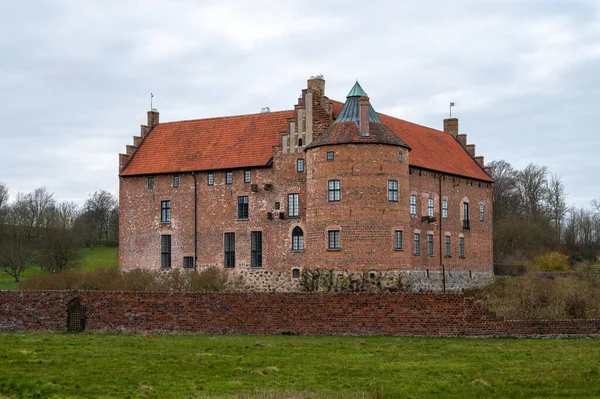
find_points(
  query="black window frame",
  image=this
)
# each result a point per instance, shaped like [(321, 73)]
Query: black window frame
[(293, 205), (300, 165), (333, 240), (447, 247), (188, 262), (398, 244), (165, 251), (430, 250), (334, 192), (256, 249), (481, 212), (243, 207), (247, 176), (393, 190), (412, 205), (151, 183), (417, 244), (295, 273), (461, 247), (210, 179), (229, 250), (466, 223), (330, 155), (297, 239), (228, 177), (175, 181), (165, 211), (430, 207)]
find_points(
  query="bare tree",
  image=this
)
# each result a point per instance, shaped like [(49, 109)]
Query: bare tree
[(532, 184), (16, 245), (39, 201), (59, 249), (557, 204), (505, 195), (99, 211)]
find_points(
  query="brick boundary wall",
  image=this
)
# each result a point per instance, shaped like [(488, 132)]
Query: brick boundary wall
[(273, 313)]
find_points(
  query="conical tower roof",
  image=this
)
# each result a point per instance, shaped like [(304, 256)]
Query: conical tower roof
[(345, 128)]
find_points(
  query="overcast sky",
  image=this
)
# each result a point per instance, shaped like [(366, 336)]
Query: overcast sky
[(76, 76)]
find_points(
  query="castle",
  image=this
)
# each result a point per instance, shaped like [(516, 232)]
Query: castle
[(327, 185)]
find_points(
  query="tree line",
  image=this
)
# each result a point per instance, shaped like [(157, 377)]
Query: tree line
[(35, 228), (532, 217)]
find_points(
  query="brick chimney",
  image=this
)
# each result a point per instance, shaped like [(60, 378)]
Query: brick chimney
[(316, 84), (363, 116), (451, 126), (152, 118)]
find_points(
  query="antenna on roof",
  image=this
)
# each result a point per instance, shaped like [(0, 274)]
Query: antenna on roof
[(451, 105), (151, 97), (265, 109)]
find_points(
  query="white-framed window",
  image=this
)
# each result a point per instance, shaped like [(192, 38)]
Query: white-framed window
[(293, 205), (445, 209), (333, 241), (333, 190), (176, 181), (430, 209), (229, 178), (398, 240), (413, 204), (210, 180), (300, 164), (330, 155), (247, 178), (417, 244), (481, 212)]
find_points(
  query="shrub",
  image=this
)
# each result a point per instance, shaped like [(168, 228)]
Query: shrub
[(552, 262), (63, 280), (209, 280)]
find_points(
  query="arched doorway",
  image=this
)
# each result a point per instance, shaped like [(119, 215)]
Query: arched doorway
[(76, 316)]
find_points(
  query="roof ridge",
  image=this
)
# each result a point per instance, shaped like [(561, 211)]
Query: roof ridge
[(225, 117)]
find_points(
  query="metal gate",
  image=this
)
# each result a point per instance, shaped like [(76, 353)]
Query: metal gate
[(76, 316)]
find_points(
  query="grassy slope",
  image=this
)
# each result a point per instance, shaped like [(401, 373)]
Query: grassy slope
[(91, 260), (63, 365)]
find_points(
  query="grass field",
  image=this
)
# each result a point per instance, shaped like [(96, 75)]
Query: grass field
[(60, 365), (90, 260)]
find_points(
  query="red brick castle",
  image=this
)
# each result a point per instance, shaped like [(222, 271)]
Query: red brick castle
[(326, 185)]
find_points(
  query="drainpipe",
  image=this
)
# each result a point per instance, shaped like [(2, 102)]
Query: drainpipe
[(195, 222), (441, 244)]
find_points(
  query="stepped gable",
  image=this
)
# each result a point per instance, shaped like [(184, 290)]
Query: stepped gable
[(348, 127), (241, 141)]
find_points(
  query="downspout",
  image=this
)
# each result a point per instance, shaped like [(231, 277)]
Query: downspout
[(441, 244), (195, 222)]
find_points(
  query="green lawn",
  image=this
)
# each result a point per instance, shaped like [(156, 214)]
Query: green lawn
[(94, 259), (61, 365)]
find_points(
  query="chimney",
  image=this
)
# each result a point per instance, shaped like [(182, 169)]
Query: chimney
[(451, 126), (316, 84), (363, 116), (152, 118)]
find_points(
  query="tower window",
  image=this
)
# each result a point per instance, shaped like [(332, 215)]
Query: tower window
[(481, 209), (330, 155), (293, 205), (297, 239), (300, 165), (398, 240), (400, 156), (333, 193), (393, 190), (333, 239)]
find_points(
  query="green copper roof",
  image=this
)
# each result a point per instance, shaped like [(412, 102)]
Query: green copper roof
[(357, 91), (349, 112)]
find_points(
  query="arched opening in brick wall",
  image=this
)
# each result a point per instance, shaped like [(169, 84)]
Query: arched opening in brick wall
[(76, 316)]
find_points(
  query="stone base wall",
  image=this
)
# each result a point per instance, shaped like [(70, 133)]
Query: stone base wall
[(272, 313)]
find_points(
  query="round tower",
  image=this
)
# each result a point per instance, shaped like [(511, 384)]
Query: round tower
[(357, 192)]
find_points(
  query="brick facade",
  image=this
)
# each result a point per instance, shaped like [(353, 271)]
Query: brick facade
[(366, 218), (268, 313)]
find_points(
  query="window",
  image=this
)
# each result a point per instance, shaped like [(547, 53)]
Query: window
[(151, 183), (413, 204), (293, 205), (165, 251), (429, 244), (445, 209), (229, 249), (300, 142), (334, 239), (393, 190), (461, 247), (447, 246), (398, 240), (165, 211), (417, 244), (188, 262), (481, 209), (277, 205), (211, 179), (247, 176), (333, 193), (330, 155), (300, 165), (256, 249), (466, 225), (175, 181), (400, 156), (243, 207), (297, 239), (228, 177), (296, 273), (430, 207)]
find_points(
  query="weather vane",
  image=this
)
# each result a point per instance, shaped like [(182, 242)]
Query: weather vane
[(451, 105)]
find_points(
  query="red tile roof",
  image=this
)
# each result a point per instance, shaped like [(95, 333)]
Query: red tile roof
[(247, 141), (206, 144)]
